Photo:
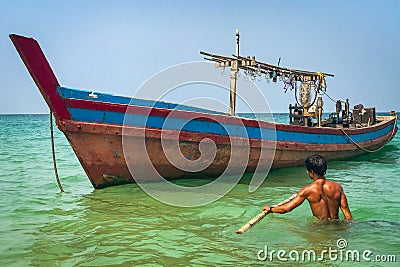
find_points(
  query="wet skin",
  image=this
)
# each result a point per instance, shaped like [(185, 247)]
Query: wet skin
[(325, 198)]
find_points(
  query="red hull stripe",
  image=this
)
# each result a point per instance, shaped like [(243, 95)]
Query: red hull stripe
[(106, 129)]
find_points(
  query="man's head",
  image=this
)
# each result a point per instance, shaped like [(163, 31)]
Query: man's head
[(316, 164)]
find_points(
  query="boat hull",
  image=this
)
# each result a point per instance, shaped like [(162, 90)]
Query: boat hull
[(100, 150)]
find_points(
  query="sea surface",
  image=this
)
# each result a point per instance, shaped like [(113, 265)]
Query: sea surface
[(123, 226)]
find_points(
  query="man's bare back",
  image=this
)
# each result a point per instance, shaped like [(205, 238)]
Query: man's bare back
[(325, 197)]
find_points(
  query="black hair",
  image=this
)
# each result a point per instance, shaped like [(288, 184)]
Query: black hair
[(316, 163)]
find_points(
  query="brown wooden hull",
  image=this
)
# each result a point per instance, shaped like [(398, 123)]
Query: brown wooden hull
[(99, 148)]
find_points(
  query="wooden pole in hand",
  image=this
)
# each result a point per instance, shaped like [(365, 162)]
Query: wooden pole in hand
[(261, 215)]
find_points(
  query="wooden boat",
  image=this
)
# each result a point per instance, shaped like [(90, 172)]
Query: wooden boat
[(94, 125)]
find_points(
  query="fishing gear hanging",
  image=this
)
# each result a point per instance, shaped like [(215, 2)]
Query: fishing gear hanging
[(258, 71), (293, 82), (274, 76), (253, 75), (289, 82), (246, 75), (238, 74), (286, 83), (268, 77), (321, 83)]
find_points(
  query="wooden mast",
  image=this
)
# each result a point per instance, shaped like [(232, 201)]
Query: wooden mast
[(234, 70)]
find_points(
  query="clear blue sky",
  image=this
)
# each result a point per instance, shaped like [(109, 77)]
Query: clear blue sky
[(114, 46)]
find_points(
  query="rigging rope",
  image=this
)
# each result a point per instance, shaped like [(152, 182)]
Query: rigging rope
[(54, 153), (329, 97), (376, 150)]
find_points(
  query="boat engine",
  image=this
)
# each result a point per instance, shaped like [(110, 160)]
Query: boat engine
[(364, 116)]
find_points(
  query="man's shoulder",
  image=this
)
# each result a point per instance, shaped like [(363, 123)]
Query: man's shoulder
[(332, 183), (316, 186), (307, 189)]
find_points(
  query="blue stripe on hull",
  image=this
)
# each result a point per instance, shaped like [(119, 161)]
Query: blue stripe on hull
[(200, 126), (109, 98)]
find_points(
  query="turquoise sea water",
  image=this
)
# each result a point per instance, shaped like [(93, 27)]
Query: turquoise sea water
[(123, 226)]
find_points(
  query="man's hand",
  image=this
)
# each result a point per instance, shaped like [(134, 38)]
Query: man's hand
[(266, 209)]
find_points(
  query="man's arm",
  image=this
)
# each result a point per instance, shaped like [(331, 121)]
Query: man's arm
[(294, 203), (344, 206)]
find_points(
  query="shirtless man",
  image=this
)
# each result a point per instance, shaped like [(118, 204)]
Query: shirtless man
[(325, 197)]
